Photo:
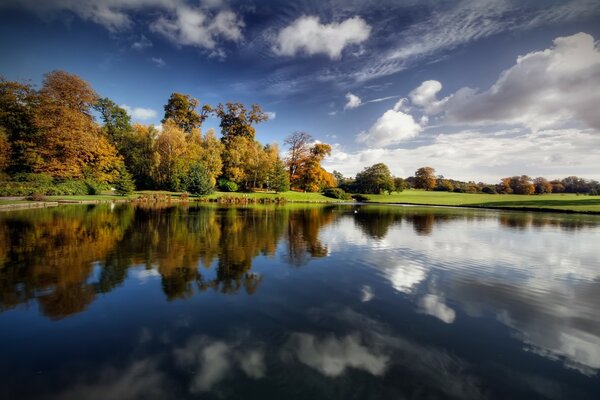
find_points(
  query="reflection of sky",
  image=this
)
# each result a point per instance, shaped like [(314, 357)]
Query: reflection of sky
[(542, 282)]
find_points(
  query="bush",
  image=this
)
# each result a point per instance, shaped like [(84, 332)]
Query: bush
[(228, 186), (124, 184), (336, 193), (37, 197)]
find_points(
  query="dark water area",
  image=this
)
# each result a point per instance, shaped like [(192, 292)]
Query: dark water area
[(298, 302)]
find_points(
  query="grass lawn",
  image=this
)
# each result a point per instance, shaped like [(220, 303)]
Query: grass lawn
[(557, 201)]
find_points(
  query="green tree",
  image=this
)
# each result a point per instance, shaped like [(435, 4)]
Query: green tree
[(375, 179), (181, 109), (279, 178), (199, 180), (124, 183), (399, 184), (425, 178), (237, 121), (116, 121)]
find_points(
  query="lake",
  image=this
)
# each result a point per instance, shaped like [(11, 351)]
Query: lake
[(298, 302)]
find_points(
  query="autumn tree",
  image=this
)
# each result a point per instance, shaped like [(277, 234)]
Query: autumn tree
[(4, 150), (71, 140), (425, 178), (181, 109), (374, 180), (298, 152), (312, 177), (171, 148), (207, 150), (542, 185)]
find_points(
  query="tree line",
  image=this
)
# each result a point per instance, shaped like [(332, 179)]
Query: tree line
[(378, 179), (51, 142)]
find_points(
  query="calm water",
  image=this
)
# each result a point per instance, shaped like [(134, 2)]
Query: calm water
[(336, 302)]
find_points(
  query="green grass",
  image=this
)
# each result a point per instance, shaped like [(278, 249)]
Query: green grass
[(565, 202)]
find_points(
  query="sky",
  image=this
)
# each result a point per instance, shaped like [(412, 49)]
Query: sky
[(478, 90)]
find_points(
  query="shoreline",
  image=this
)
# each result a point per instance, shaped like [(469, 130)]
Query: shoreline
[(24, 204)]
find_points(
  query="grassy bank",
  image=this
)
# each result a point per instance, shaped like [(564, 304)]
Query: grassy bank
[(548, 202), (558, 201)]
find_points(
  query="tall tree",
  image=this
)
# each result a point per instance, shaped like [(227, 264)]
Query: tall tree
[(312, 177), (71, 142), (171, 148), (299, 150), (116, 121), (181, 109), (18, 102), (237, 121), (425, 178), (279, 179)]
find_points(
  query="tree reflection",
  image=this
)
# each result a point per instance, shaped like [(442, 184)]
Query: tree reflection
[(64, 257)]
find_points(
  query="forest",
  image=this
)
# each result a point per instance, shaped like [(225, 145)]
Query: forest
[(52, 143), (65, 139)]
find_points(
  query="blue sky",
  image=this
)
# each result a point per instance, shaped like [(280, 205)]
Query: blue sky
[(477, 89)]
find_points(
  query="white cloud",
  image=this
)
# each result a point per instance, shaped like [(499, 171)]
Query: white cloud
[(141, 44), (332, 356), (139, 113), (195, 27), (352, 101), (308, 35), (271, 114), (393, 127), (425, 96), (434, 305), (543, 89), (477, 155), (158, 61), (213, 360)]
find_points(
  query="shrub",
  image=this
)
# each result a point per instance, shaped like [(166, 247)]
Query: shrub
[(336, 193), (124, 183), (37, 197), (228, 186)]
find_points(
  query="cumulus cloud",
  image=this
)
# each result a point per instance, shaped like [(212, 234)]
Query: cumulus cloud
[(480, 155), (393, 127), (425, 96), (548, 88), (352, 101), (139, 113), (308, 35), (195, 27), (271, 114)]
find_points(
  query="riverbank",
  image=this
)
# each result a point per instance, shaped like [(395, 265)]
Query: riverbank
[(568, 203), (556, 202)]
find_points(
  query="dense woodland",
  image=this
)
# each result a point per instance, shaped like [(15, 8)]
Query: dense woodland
[(65, 139)]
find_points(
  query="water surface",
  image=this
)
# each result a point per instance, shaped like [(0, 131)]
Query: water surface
[(298, 302)]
